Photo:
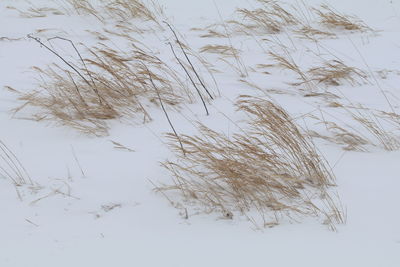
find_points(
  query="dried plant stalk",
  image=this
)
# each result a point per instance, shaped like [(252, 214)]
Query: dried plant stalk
[(11, 168)]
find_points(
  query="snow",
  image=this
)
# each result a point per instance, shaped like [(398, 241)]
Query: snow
[(105, 212)]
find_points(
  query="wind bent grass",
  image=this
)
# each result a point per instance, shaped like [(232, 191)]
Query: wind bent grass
[(335, 72), (267, 173), (331, 18), (269, 18), (105, 85)]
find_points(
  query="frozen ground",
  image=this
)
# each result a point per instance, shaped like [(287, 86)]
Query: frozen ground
[(95, 205)]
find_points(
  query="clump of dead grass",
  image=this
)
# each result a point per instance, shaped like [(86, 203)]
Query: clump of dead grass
[(119, 10), (103, 10), (348, 139), (130, 9), (269, 18), (106, 85), (223, 50), (331, 18), (366, 127), (274, 17), (334, 72), (377, 127), (311, 33), (36, 12), (269, 172), (84, 7)]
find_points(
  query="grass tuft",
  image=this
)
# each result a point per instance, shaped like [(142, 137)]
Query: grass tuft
[(269, 172), (331, 18)]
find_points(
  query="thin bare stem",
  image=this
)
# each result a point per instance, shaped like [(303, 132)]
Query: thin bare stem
[(165, 112)]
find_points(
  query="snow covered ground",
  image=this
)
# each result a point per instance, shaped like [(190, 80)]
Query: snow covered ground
[(94, 205)]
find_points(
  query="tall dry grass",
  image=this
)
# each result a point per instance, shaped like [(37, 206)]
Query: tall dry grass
[(379, 127), (335, 72), (331, 18), (329, 72), (270, 17), (106, 84), (277, 17), (270, 172), (120, 10)]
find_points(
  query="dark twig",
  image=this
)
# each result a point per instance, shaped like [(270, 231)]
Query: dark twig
[(15, 165), (188, 60), (77, 89), (67, 63), (165, 112), (60, 57), (190, 78), (77, 52)]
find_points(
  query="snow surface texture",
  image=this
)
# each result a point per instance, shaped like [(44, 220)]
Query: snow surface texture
[(94, 205)]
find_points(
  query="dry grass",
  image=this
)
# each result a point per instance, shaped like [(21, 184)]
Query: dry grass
[(269, 172), (350, 140), (223, 50), (131, 9), (331, 18), (286, 61), (378, 129), (330, 73), (310, 33), (270, 18), (106, 85), (275, 17), (36, 12), (84, 7), (365, 127), (11, 168), (118, 9), (213, 34), (120, 146), (334, 72)]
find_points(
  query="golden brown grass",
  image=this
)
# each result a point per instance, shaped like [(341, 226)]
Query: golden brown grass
[(311, 33), (335, 72), (36, 12), (107, 84), (330, 73), (377, 127), (275, 17), (349, 140), (365, 128), (130, 9), (122, 10), (286, 61), (83, 7), (269, 172), (119, 10), (270, 18), (223, 50), (331, 18)]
